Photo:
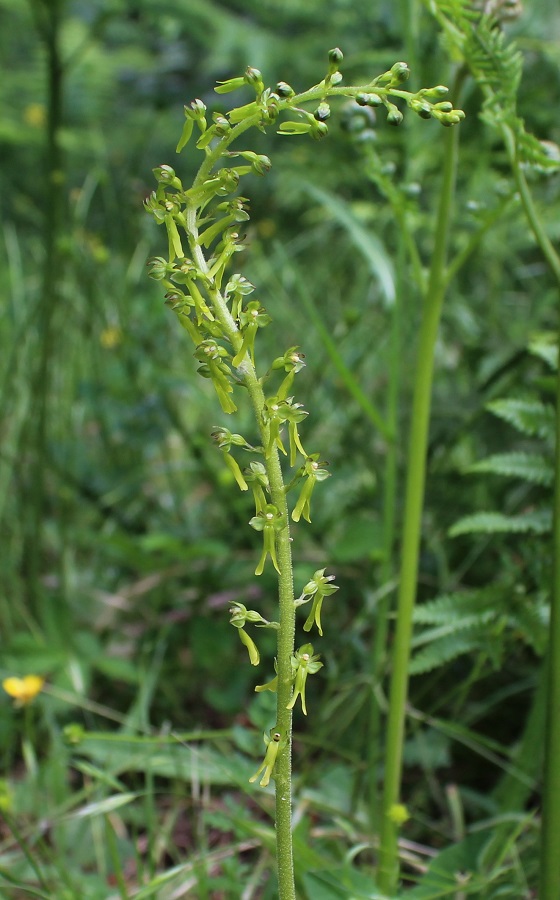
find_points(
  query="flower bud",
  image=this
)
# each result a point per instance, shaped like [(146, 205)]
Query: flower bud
[(164, 173), (368, 100), (198, 108), (424, 111), (221, 126), (394, 116), (270, 114), (399, 73), (284, 90), (262, 165), (158, 268), (335, 58), (319, 131), (322, 112), (440, 90), (254, 78)]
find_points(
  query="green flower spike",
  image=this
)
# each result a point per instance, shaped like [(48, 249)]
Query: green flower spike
[(313, 471), (253, 317), (304, 663), (274, 744), (269, 521), (318, 588)]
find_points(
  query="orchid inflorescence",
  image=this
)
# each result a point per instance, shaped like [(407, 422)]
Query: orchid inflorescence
[(205, 225)]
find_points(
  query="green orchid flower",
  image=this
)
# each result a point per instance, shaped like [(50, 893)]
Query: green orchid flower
[(313, 471), (274, 745), (318, 588), (269, 521), (304, 663)]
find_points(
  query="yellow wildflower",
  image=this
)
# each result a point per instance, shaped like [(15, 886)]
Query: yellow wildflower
[(23, 690), (35, 115)]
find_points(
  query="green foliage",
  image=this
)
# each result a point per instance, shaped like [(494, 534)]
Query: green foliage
[(479, 41), (533, 467), (478, 622), (537, 521), (535, 419)]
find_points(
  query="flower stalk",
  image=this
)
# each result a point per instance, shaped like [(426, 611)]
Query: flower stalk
[(201, 225)]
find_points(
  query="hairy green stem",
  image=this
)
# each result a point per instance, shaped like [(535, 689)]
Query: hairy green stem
[(412, 518), (286, 632)]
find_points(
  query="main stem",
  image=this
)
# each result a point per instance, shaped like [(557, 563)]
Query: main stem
[(412, 529), (286, 631)]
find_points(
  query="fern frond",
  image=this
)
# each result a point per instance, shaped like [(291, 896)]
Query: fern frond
[(531, 467), (453, 607), (495, 64), (530, 622), (477, 40), (544, 344), (464, 623), (530, 417), (477, 621), (536, 522), (542, 156), (440, 652)]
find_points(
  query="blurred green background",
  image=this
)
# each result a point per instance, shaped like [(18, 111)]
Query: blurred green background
[(124, 540)]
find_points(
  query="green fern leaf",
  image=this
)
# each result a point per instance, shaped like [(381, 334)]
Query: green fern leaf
[(529, 622), (530, 417), (495, 64), (537, 522), (544, 344), (531, 467), (431, 635), (441, 652), (452, 607), (542, 156)]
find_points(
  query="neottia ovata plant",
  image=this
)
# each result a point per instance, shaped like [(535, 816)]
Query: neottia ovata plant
[(217, 307)]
